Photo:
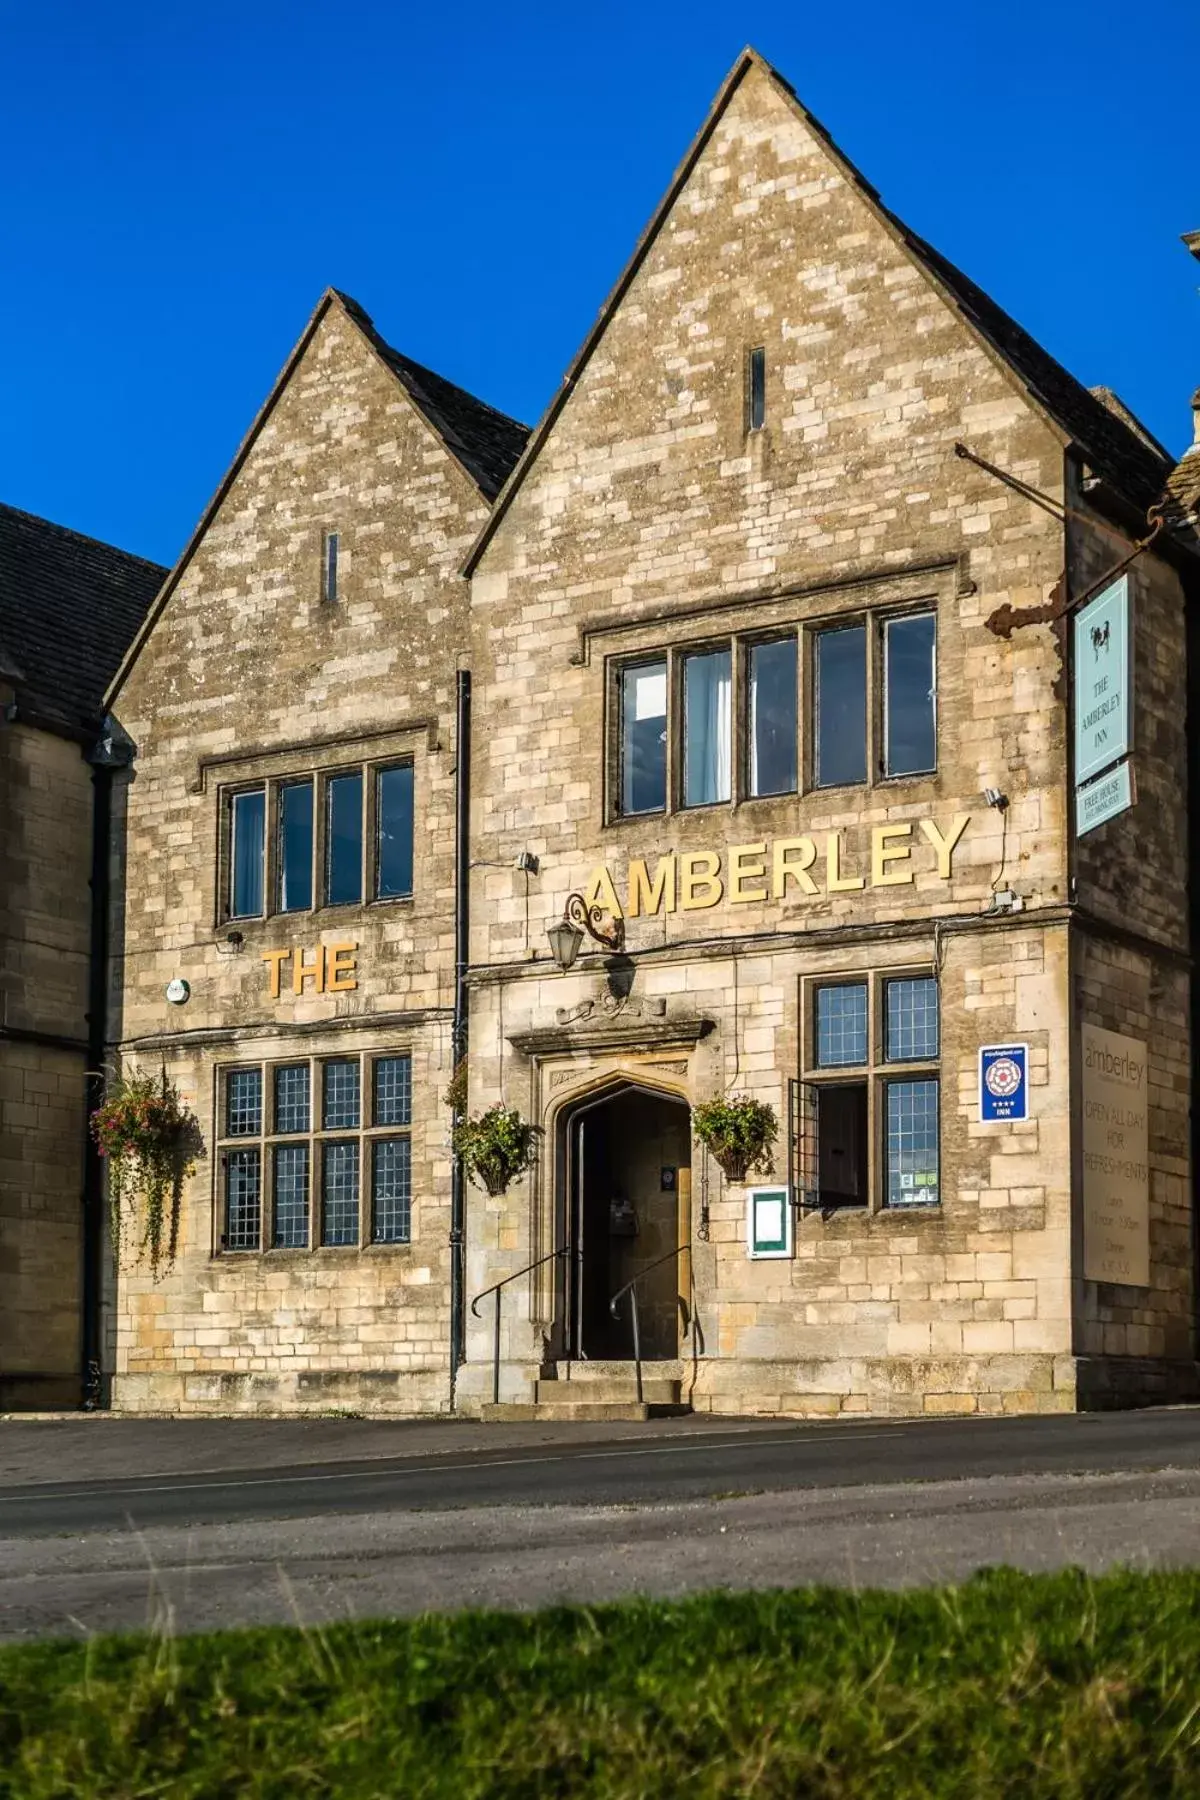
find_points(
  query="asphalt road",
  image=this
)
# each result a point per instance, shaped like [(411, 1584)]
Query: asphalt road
[(560, 1469), (471, 1516)]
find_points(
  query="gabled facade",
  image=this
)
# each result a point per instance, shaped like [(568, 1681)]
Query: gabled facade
[(783, 678), (770, 628), (286, 851), (69, 608)]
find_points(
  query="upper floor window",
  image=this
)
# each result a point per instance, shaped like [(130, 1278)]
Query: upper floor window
[(319, 840), (644, 738), (247, 832), (329, 567), (700, 727)]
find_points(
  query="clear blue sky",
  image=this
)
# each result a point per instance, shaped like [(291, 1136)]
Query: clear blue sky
[(182, 181)]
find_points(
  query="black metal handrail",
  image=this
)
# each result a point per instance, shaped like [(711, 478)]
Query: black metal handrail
[(497, 1288), (631, 1288)]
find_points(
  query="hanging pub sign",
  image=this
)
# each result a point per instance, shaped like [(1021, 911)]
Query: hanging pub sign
[(1003, 1083), (1102, 682)]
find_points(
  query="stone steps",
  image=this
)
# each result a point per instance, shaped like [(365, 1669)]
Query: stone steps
[(596, 1391)]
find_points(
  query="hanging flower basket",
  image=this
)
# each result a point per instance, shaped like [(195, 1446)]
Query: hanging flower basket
[(149, 1140), (496, 1146), (739, 1132)]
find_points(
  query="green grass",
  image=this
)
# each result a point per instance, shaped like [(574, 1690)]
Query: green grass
[(1058, 1685)]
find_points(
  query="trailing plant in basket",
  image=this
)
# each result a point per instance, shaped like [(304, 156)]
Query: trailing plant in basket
[(149, 1140), (739, 1131), (496, 1146)]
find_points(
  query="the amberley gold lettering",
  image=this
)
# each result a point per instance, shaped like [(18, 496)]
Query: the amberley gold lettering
[(778, 869)]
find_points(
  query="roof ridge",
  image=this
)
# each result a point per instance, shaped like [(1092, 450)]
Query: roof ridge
[(83, 537), (364, 319)]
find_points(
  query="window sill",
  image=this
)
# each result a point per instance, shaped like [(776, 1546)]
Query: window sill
[(290, 1253)]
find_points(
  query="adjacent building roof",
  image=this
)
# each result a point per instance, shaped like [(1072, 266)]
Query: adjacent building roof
[(486, 442), (1120, 451), (70, 606)]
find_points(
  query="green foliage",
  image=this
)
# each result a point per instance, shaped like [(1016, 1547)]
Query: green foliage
[(456, 1093), (149, 1140), (1039, 1687), (496, 1147), (739, 1131)]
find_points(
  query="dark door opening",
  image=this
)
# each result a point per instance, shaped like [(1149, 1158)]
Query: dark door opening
[(619, 1212)]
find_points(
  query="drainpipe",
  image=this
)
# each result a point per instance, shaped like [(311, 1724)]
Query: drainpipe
[(91, 1352), (460, 1033)]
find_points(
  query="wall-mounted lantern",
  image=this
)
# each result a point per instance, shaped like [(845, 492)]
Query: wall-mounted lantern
[(566, 936)]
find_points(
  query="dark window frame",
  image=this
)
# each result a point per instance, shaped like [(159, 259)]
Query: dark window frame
[(269, 1139), (331, 544), (872, 620), (756, 388), (877, 1074), (370, 771)]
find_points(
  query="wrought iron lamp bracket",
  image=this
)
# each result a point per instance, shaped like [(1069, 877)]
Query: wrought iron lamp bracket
[(599, 925)]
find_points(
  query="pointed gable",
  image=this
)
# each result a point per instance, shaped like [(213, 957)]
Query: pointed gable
[(484, 444), (1122, 454)]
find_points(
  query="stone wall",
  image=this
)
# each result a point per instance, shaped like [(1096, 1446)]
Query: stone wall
[(46, 829), (250, 674), (653, 519)]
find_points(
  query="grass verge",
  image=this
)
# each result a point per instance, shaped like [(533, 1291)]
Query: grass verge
[(1039, 1686)]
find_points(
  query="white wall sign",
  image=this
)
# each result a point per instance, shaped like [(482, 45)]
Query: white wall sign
[(1102, 684), (768, 1222), (1104, 798)]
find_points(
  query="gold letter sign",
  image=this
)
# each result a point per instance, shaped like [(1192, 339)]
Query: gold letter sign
[(784, 868), (331, 969)]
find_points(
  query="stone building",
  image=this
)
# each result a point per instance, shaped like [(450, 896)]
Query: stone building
[(286, 849), (773, 628), (69, 608)]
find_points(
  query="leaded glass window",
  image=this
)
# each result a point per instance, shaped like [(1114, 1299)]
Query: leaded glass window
[(289, 1180), (339, 1191), (841, 1026), (391, 1191)]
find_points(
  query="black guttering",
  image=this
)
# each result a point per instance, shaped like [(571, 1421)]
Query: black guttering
[(91, 1350), (460, 1032)]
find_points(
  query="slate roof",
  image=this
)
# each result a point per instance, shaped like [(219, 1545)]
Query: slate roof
[(70, 607), (486, 442), (1113, 448)]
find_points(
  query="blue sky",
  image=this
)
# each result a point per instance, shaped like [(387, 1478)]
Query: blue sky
[(181, 183)]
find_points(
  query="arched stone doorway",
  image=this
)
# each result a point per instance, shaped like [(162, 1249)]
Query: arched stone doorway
[(622, 1188)]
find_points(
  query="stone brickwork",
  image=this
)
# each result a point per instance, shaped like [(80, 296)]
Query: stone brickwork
[(249, 674), (46, 827), (652, 520)]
